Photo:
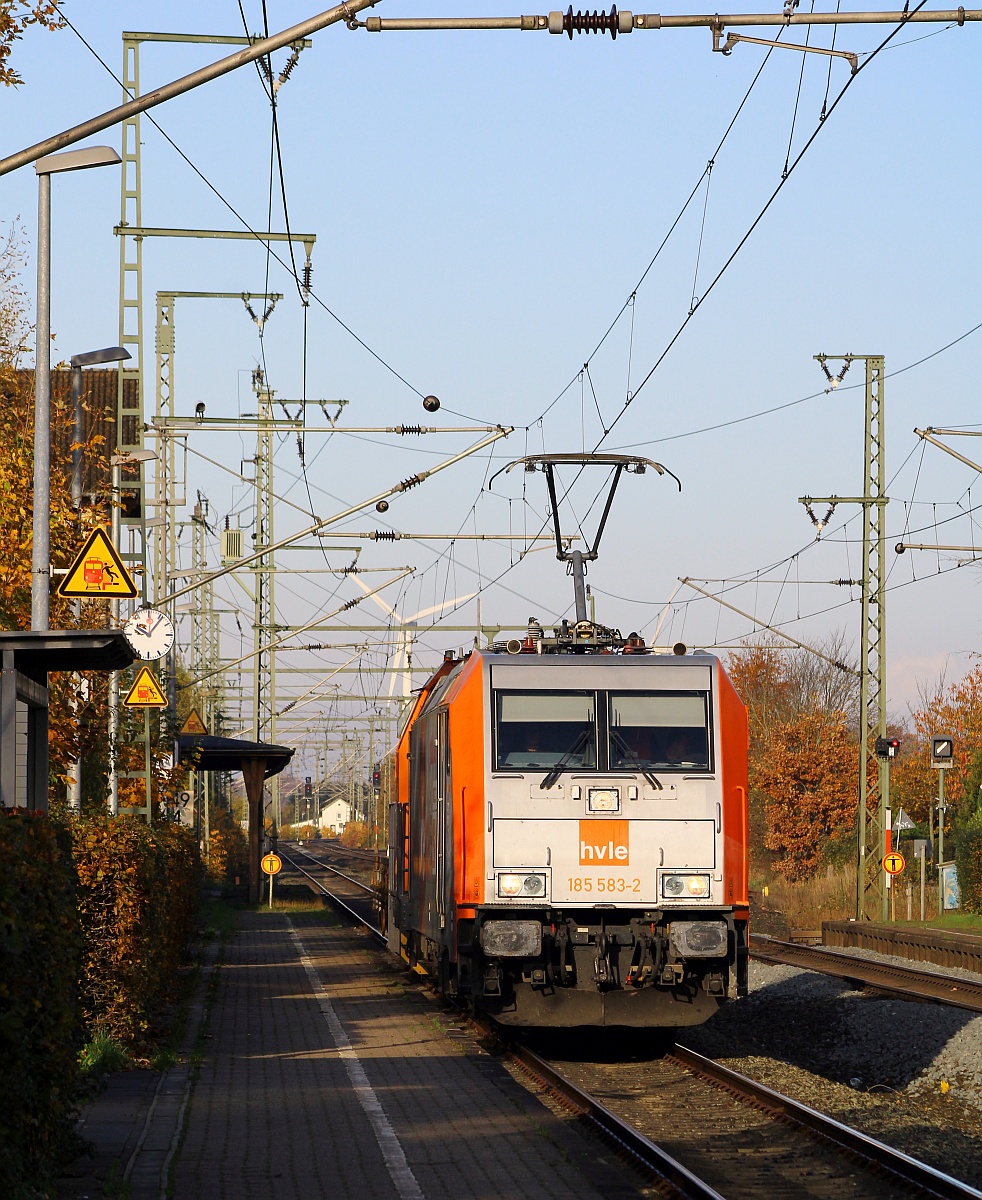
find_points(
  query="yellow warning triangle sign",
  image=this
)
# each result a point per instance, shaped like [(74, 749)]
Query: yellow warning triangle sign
[(98, 571), (194, 724), (145, 692)]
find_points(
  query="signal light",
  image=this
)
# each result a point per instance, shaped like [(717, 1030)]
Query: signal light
[(887, 747), (942, 751)]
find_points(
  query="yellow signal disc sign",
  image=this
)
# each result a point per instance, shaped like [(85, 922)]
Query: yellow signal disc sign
[(894, 862), (272, 864), (98, 571), (146, 692)]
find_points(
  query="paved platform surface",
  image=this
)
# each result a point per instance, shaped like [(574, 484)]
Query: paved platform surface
[(327, 1074)]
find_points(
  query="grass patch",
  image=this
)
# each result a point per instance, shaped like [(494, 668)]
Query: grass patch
[(217, 916), (957, 922), (101, 1056)]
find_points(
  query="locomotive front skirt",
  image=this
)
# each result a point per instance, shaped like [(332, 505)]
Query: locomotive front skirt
[(568, 839)]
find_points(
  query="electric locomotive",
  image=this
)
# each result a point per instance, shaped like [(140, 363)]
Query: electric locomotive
[(568, 842)]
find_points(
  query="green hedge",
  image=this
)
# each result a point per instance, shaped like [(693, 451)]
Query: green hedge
[(40, 1031), (138, 891), (968, 859)]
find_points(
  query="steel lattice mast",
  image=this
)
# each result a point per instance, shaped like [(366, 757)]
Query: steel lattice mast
[(872, 885)]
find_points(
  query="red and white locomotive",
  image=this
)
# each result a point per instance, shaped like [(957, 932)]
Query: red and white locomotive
[(569, 841)]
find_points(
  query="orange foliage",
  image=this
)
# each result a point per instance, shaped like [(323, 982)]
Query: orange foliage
[(803, 759), (809, 779), (15, 17), (954, 710)]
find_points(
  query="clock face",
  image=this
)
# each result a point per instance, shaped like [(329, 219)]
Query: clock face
[(150, 633)]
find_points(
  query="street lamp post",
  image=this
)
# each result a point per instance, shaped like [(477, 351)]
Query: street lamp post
[(90, 358), (72, 160)]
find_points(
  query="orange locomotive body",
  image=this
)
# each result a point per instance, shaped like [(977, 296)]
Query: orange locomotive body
[(568, 838)]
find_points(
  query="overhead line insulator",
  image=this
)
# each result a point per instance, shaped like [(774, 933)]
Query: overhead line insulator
[(591, 22)]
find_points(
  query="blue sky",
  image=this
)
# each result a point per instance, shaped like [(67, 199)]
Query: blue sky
[(484, 204)]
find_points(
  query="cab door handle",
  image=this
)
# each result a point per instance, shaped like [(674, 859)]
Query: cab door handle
[(490, 816)]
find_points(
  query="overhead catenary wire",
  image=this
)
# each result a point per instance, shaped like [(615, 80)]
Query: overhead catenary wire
[(244, 223)]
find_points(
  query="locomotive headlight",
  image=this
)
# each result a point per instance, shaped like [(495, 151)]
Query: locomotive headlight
[(515, 884), (678, 887)]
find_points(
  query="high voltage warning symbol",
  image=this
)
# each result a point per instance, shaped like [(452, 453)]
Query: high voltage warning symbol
[(145, 692), (98, 571)]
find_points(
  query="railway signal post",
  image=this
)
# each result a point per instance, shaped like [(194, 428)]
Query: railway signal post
[(942, 757)]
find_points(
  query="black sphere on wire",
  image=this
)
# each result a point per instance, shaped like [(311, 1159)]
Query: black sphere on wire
[(382, 506), (431, 403)]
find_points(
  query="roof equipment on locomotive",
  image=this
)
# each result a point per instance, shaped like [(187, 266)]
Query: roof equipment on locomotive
[(568, 831)]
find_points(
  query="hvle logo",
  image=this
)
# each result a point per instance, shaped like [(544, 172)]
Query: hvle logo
[(604, 843)]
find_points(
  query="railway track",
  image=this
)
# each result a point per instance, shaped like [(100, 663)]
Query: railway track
[(352, 896), (742, 1140), (700, 1130), (907, 983)]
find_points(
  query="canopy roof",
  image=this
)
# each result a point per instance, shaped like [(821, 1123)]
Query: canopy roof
[(228, 754)]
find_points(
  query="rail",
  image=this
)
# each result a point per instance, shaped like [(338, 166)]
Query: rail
[(904, 982), (334, 870), (641, 1150), (911, 1170), (336, 900)]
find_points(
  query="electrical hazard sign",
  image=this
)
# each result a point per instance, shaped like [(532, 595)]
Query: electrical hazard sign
[(194, 724), (98, 571), (146, 692), (894, 862)]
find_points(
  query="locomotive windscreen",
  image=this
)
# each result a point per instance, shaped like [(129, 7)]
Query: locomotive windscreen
[(669, 730), (540, 729)]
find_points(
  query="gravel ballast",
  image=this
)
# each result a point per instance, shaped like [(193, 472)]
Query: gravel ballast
[(907, 1073)]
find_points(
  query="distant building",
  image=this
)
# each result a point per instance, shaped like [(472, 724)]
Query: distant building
[(334, 817)]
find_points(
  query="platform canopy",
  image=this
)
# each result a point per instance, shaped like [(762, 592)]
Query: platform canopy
[(26, 658), (207, 753), (257, 761)]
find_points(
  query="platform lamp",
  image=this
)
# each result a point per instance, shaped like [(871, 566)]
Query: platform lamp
[(91, 358), (50, 164)]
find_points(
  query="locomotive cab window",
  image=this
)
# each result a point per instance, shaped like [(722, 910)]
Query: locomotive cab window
[(667, 730), (542, 729)]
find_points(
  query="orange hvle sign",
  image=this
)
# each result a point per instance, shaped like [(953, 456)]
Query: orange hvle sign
[(604, 843)]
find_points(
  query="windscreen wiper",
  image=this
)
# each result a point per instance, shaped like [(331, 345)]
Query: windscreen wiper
[(564, 762), (633, 754)]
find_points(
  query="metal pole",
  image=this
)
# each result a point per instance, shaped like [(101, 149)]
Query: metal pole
[(40, 552), (923, 858), (941, 810), (113, 723), (76, 437), (579, 591)]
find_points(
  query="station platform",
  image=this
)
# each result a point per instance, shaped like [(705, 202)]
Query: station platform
[(325, 1071)]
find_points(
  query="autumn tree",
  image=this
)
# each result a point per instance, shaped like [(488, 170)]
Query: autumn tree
[(947, 709), (15, 17), (808, 783), (77, 718), (803, 754)]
